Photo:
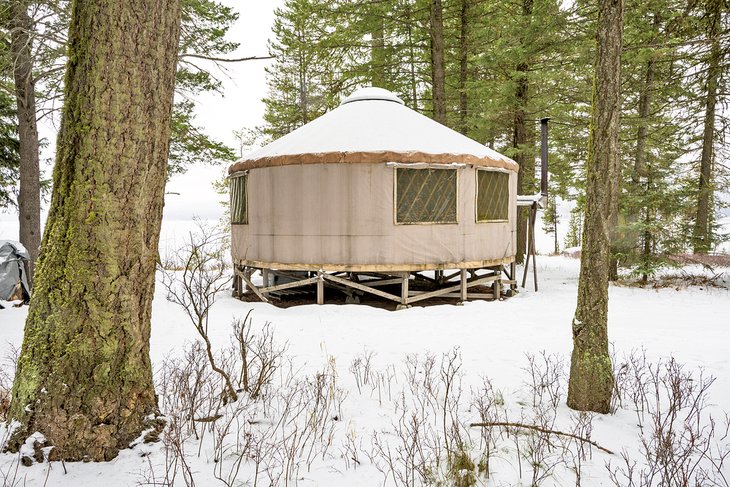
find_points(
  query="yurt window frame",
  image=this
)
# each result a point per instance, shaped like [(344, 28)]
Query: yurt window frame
[(425, 167), (239, 175), (476, 195)]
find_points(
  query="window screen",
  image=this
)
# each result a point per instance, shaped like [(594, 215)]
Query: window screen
[(492, 195), (425, 195), (239, 200)]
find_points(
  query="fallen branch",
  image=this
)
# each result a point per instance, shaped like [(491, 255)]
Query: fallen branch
[(226, 60), (541, 430)]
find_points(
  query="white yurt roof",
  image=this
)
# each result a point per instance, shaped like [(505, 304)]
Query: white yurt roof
[(373, 125)]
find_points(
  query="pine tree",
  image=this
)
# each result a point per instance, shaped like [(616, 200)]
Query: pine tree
[(591, 375), (84, 378), (9, 156), (305, 80), (702, 237)]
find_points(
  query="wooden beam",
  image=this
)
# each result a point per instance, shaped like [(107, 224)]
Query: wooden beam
[(362, 287), (252, 287), (416, 296), (289, 285)]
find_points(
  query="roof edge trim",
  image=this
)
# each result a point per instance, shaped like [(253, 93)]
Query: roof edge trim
[(371, 158)]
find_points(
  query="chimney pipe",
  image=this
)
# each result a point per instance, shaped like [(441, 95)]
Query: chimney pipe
[(544, 156)]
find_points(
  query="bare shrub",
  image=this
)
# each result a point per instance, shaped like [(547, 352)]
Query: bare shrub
[(198, 274), (681, 443)]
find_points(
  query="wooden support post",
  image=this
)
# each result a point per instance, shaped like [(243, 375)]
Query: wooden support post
[(513, 276), (532, 245), (497, 284), (404, 289), (236, 283), (320, 287), (464, 279), (265, 276)]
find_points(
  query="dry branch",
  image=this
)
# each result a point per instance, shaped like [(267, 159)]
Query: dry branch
[(541, 430)]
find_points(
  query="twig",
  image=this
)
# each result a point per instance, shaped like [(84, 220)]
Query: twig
[(226, 60), (541, 430)]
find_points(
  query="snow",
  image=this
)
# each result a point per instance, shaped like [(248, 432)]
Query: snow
[(493, 339), (370, 121)]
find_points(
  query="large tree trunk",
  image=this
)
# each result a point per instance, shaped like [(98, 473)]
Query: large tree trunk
[(523, 155), (438, 70), (463, 65), (702, 234), (29, 198), (591, 377), (84, 378)]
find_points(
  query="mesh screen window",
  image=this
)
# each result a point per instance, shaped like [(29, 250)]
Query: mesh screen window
[(492, 196), (425, 196), (239, 200)]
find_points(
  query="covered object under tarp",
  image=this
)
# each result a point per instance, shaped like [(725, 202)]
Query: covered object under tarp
[(13, 282)]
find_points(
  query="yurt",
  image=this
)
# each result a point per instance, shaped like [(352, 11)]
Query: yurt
[(374, 198)]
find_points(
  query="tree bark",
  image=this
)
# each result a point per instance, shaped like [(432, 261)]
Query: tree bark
[(438, 70), (591, 376), (702, 234), (526, 175), (29, 197), (377, 53), (84, 378), (463, 67)]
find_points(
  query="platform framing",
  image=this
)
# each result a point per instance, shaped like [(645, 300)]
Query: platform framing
[(441, 285)]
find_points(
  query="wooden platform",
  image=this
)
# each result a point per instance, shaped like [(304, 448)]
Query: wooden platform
[(400, 288)]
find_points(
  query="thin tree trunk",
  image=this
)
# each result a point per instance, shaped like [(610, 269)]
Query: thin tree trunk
[(625, 239), (591, 376), (29, 197), (702, 234), (84, 378), (412, 58), (438, 70), (526, 175), (377, 54), (463, 65), (640, 166)]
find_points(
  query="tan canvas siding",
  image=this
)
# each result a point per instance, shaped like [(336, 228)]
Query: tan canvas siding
[(341, 216)]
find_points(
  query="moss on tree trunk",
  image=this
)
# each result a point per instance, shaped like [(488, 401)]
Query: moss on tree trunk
[(591, 375), (84, 377)]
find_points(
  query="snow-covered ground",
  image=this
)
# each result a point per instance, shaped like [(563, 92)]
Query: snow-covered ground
[(493, 338)]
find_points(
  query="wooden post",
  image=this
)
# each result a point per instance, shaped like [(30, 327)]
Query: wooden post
[(236, 284), (513, 276), (404, 289), (464, 280), (320, 287), (497, 284), (247, 273), (265, 276), (532, 244)]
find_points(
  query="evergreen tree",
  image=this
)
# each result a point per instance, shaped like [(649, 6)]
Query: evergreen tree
[(591, 375), (9, 156), (306, 78), (84, 378)]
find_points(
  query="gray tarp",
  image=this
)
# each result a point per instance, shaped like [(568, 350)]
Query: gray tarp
[(12, 269)]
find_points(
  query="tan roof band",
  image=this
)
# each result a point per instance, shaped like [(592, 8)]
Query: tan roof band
[(370, 158)]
